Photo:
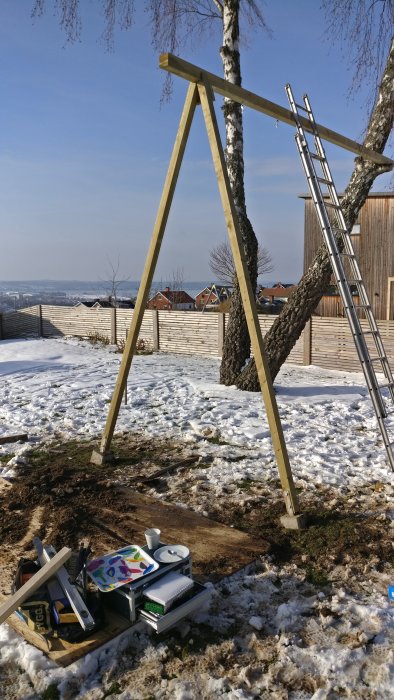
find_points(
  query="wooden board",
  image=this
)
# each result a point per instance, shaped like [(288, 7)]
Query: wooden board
[(21, 437), (217, 551), (64, 653)]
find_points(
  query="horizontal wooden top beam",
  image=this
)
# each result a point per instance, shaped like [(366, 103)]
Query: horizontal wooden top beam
[(194, 74)]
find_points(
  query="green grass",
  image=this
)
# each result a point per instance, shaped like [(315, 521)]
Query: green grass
[(6, 458), (114, 689), (51, 693), (317, 577), (245, 484)]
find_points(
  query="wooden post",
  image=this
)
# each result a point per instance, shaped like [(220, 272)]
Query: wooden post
[(1, 326), (125, 386), (293, 519), (155, 330), (221, 332), (98, 457), (113, 337), (390, 281), (307, 359), (39, 321)]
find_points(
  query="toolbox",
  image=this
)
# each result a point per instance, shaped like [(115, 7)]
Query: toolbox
[(127, 600)]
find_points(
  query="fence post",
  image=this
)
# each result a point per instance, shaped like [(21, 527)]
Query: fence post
[(307, 360), (155, 329), (221, 331), (39, 320), (113, 326)]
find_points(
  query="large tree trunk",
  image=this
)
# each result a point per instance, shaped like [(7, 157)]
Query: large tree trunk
[(236, 349), (289, 325)]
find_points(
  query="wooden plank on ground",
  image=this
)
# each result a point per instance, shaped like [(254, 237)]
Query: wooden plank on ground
[(64, 653), (21, 437), (217, 550)]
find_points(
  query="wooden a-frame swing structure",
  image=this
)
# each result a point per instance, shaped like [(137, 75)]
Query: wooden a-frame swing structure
[(202, 86)]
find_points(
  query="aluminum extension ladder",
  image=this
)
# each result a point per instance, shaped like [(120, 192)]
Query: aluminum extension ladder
[(340, 249)]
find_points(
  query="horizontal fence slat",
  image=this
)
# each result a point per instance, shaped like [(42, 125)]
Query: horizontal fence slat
[(190, 332)]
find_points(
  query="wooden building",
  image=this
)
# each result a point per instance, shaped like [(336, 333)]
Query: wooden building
[(373, 241)]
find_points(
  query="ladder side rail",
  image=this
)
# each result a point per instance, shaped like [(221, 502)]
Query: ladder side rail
[(355, 269), (339, 273), (332, 246), (337, 238), (353, 263), (386, 441)]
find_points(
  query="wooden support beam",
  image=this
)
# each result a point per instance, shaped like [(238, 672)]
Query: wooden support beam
[(193, 73), (98, 457), (26, 591), (263, 371)]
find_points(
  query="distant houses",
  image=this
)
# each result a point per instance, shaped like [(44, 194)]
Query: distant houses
[(171, 300), (212, 296), (106, 303), (278, 294)]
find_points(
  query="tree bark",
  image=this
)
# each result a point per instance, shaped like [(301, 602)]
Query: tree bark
[(289, 325), (236, 348)]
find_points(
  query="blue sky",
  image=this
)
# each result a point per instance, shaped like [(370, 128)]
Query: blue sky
[(85, 144)]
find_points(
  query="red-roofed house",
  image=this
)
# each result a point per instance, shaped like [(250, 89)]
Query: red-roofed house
[(171, 300), (279, 292)]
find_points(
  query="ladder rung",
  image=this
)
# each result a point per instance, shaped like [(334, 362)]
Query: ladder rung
[(324, 181), (377, 358), (385, 385), (304, 109), (317, 157), (368, 332), (333, 206)]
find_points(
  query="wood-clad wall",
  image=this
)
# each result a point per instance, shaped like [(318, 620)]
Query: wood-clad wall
[(325, 342), (374, 247)]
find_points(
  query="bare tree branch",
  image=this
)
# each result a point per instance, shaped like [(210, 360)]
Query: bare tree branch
[(221, 262), (365, 28), (114, 279)]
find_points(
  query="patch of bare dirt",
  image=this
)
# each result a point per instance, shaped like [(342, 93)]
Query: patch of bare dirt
[(61, 497)]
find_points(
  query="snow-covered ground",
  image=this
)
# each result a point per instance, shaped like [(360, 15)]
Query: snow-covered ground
[(294, 641)]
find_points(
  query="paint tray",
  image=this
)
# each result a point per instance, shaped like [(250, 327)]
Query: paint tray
[(120, 567)]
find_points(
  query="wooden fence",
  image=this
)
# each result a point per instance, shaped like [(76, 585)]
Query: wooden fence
[(326, 342)]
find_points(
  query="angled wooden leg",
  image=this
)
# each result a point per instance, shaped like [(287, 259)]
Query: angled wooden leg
[(98, 457), (293, 519)]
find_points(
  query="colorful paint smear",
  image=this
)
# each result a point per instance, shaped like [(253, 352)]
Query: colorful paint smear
[(117, 568)]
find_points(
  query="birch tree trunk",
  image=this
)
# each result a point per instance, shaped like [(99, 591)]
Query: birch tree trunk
[(236, 348), (289, 325)]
